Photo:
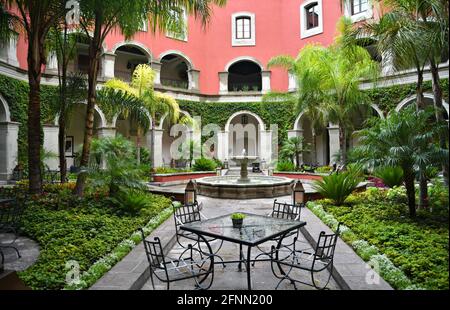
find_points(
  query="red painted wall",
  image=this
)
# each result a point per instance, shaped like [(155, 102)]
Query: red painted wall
[(210, 49)]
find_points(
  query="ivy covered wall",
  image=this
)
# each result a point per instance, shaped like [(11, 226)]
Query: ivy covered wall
[(15, 93), (283, 114)]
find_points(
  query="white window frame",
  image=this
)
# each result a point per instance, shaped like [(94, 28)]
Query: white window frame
[(180, 36), (361, 16), (243, 42), (304, 32)]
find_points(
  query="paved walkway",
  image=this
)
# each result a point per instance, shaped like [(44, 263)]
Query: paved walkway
[(230, 278), (29, 250)]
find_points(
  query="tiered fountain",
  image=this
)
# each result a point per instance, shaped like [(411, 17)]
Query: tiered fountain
[(244, 186)]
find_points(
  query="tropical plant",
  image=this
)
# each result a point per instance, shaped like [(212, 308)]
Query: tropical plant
[(99, 18), (337, 186), (293, 148), (391, 176), (130, 201), (204, 164), (403, 139), (34, 18), (329, 82), (138, 101), (121, 171), (284, 165), (410, 33)]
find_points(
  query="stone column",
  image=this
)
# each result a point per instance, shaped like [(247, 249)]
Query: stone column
[(333, 131), (265, 76), (193, 79), (223, 83), (108, 64), (222, 145), (8, 50), (51, 145), (156, 66), (387, 63), (157, 151), (292, 85), (9, 132), (265, 145)]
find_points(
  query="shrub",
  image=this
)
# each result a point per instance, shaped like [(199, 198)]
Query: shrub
[(168, 170), (130, 201), (285, 165), (337, 186), (204, 164), (324, 169), (391, 176)]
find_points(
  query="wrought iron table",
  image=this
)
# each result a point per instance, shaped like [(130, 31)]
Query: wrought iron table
[(255, 230)]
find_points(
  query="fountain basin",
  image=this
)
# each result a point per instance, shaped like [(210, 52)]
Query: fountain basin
[(257, 187)]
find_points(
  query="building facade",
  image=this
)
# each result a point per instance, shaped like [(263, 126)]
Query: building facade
[(224, 61)]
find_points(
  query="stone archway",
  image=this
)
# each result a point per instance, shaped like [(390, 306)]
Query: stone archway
[(9, 132)]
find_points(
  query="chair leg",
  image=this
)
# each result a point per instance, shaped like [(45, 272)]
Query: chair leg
[(14, 248)]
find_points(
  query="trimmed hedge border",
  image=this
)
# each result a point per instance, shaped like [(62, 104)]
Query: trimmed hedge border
[(104, 264), (369, 253)]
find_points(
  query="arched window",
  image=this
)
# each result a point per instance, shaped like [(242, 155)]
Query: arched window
[(174, 71), (244, 76)]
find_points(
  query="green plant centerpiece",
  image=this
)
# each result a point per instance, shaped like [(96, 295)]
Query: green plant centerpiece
[(238, 219)]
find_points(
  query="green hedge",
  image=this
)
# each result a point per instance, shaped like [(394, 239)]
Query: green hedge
[(84, 230), (410, 253)]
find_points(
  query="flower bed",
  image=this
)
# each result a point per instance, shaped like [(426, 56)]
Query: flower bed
[(88, 231), (409, 254), (182, 176), (299, 175)]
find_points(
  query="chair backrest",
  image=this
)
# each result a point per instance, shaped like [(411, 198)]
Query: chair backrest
[(154, 252), (326, 245), (187, 213), (10, 214), (286, 211)]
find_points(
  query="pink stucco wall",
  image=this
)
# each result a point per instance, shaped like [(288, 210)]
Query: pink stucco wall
[(210, 49)]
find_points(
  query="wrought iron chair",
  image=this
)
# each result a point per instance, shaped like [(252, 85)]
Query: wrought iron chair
[(195, 264), (314, 260), (190, 213), (286, 211), (10, 215)]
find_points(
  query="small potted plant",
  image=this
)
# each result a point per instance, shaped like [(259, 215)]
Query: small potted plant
[(237, 219)]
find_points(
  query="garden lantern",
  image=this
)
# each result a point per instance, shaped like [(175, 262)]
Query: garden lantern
[(270, 171), (298, 193), (225, 164), (219, 171), (190, 193)]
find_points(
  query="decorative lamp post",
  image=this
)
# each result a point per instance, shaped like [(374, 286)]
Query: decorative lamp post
[(298, 193), (190, 193)]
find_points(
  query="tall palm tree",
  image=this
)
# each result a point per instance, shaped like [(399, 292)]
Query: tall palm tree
[(34, 18), (403, 139), (309, 95), (153, 103), (99, 18)]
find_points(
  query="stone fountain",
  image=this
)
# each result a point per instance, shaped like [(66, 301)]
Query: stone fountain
[(243, 161), (243, 186)]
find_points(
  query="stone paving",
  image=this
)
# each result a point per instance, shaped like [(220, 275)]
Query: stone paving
[(29, 251), (230, 278)]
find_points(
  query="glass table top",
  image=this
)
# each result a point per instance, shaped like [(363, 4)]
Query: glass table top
[(255, 228)]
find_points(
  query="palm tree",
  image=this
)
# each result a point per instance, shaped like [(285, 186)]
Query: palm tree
[(293, 148), (412, 33), (99, 18), (309, 95), (152, 104), (34, 18), (403, 139)]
